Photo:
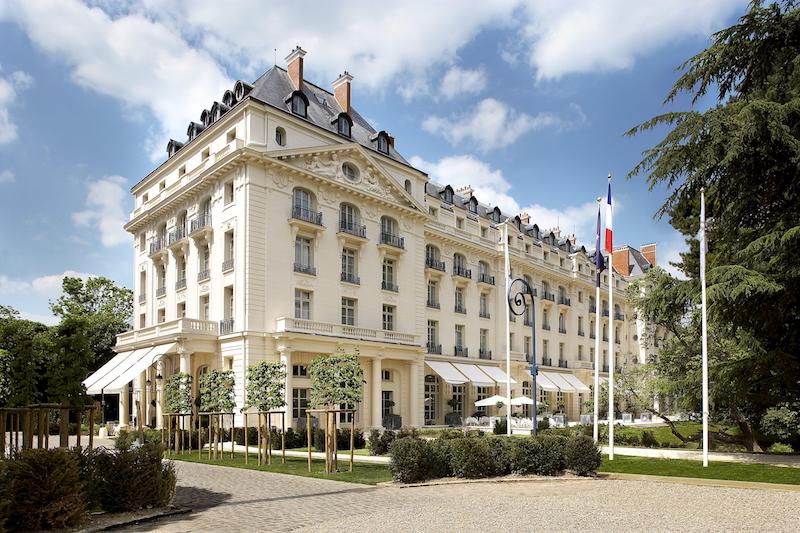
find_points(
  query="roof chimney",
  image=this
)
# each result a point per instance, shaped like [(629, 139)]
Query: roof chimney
[(341, 90), (295, 67), (649, 252), (466, 191), (525, 218)]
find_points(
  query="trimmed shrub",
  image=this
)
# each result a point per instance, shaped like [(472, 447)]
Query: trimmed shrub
[(523, 455), (582, 455), (649, 439), (447, 434), (134, 479), (471, 458), (551, 459), (500, 450), (440, 459), (44, 490), (411, 459), (544, 423), (500, 427), (779, 448)]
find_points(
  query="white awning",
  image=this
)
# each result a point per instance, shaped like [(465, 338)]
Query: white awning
[(104, 370), (491, 401), (102, 382), (475, 375), (577, 384), (544, 383), (447, 372), (560, 382), (139, 366), (496, 373)]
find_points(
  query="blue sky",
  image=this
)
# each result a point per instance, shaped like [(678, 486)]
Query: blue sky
[(526, 102)]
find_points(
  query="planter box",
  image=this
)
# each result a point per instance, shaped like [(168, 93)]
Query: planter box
[(452, 419), (392, 421), (587, 419), (627, 418), (646, 417)]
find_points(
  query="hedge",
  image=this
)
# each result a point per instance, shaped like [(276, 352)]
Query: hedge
[(414, 459)]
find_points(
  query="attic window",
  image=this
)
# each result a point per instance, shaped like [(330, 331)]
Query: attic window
[(496, 215), (182, 171), (447, 195), (299, 104), (343, 124), (383, 143), (280, 136), (205, 154), (473, 205), (162, 185)]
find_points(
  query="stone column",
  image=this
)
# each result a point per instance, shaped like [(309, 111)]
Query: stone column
[(124, 408), (286, 359), (375, 397), (414, 393)]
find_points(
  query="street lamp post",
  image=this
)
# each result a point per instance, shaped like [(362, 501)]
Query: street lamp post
[(518, 289)]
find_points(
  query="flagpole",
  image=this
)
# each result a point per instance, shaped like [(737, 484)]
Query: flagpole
[(705, 325), (598, 254), (612, 359), (507, 272)]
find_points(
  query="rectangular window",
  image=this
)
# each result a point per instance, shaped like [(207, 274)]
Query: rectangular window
[(388, 274), (459, 300), (560, 351), (484, 232), (231, 136), (205, 308), (433, 293), (580, 352), (181, 310), (299, 403), (349, 265), (302, 304), (386, 375), (459, 332), (388, 317), (459, 223), (387, 402), (162, 315), (483, 304), (299, 371), (544, 348), (142, 320), (182, 171), (142, 242), (205, 154), (348, 311), (511, 342), (527, 347), (228, 192), (433, 333), (484, 335), (302, 252)]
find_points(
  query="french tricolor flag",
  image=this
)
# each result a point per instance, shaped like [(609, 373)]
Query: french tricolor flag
[(609, 211)]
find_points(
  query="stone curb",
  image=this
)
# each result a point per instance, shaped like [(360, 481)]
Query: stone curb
[(456, 481), (164, 513), (703, 482)]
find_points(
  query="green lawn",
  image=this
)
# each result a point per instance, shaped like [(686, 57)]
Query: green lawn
[(346, 451), (368, 474), (687, 468)]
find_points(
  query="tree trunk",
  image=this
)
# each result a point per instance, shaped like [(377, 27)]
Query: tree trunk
[(748, 436)]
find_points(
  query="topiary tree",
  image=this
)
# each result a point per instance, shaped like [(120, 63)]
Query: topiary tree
[(178, 393), (265, 386), (216, 391)]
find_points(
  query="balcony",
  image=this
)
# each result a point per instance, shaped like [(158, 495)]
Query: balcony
[(527, 321), (581, 333), (546, 327), (349, 277), (200, 223), (161, 292), (226, 326), (389, 286), (562, 330), (142, 298), (434, 348), (484, 354), (548, 296), (619, 316), (305, 269), (351, 228), (563, 300), (312, 327), (156, 245), (485, 278), (227, 265), (605, 312), (393, 240), (176, 235), (562, 363), (460, 351), (546, 361), (203, 275), (484, 314), (433, 305), (459, 308), (462, 272), (435, 264), (307, 215), (592, 308), (592, 335), (181, 326), (180, 284)]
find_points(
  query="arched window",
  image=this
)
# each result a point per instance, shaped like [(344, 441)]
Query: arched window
[(205, 117), (241, 89), (350, 171), (389, 227), (562, 292), (407, 185), (496, 215), (473, 205), (302, 200), (229, 98), (344, 124), (299, 104), (349, 218), (518, 222), (280, 136), (431, 253), (483, 268), (383, 142), (459, 262), (205, 206)]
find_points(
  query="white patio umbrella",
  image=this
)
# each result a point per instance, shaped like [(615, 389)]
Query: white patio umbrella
[(491, 401), (521, 400)]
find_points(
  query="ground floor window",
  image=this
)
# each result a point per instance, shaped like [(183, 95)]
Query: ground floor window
[(526, 391), (481, 394), (299, 403), (346, 417), (543, 400), (458, 396), (431, 394), (387, 402), (561, 404)]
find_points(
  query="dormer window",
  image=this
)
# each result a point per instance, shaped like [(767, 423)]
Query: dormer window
[(299, 104), (496, 215), (447, 195), (383, 143), (473, 205), (343, 124)]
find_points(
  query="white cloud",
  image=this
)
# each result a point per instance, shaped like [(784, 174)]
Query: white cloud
[(51, 285), (10, 87), (105, 210), (491, 124), (670, 253), (491, 188), (6, 176), (144, 64), (458, 81), (588, 36), (8, 285)]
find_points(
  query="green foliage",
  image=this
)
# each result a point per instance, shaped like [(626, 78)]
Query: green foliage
[(265, 383), (500, 450), (471, 458), (216, 391), (410, 459), (105, 308), (500, 427), (336, 379), (649, 439), (379, 442), (45, 490), (582, 455), (779, 448), (25, 354), (178, 393), (544, 423), (71, 358), (744, 151), (782, 423)]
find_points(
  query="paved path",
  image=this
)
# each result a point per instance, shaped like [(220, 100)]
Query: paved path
[(245, 500)]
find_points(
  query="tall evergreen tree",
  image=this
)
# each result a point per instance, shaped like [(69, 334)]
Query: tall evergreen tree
[(745, 151)]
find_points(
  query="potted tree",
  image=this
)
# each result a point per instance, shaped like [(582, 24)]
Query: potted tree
[(587, 409), (560, 418), (453, 418), (392, 420)]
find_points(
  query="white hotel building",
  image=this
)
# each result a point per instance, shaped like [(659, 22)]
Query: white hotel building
[(287, 227)]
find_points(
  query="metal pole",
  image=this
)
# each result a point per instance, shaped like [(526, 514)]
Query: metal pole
[(597, 320), (507, 272), (534, 365), (611, 355), (705, 324)]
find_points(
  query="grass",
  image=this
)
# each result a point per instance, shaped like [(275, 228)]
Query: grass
[(364, 473), (346, 451), (624, 464)]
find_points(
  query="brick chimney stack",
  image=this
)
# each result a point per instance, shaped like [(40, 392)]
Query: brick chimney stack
[(525, 218), (649, 252), (341, 90), (466, 191), (622, 260), (294, 65)]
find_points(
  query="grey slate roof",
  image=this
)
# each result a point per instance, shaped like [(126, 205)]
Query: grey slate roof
[(274, 86)]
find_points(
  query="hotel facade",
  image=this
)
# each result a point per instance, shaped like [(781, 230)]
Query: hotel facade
[(286, 227)]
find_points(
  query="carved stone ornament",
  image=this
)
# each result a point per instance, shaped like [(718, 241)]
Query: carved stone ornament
[(305, 282), (281, 181), (204, 288)]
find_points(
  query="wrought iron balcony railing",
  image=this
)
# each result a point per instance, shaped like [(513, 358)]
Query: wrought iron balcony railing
[(307, 215)]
